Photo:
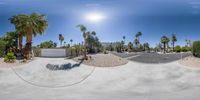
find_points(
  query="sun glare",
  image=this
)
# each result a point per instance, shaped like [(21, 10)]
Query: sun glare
[(95, 17)]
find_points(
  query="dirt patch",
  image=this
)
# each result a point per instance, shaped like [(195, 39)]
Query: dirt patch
[(7, 65), (103, 60), (191, 62)]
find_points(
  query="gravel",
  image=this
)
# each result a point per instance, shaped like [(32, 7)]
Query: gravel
[(104, 60), (191, 62)]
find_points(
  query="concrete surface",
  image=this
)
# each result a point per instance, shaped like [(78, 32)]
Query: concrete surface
[(133, 81), (153, 57)]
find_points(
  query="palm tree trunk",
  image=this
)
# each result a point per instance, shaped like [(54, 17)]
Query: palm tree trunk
[(20, 41), (60, 43), (164, 47), (28, 47), (173, 45), (17, 39), (85, 50)]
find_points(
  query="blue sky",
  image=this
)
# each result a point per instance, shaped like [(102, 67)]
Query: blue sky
[(154, 18)]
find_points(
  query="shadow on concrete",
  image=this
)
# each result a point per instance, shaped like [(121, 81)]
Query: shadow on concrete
[(68, 66)]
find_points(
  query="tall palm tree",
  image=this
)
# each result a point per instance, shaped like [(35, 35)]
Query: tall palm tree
[(19, 27), (35, 24), (83, 29), (174, 39), (71, 41), (61, 38), (137, 36), (32, 25), (136, 41), (188, 42), (146, 46), (124, 37), (165, 41), (64, 43)]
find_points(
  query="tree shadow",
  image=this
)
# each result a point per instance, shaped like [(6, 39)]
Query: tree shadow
[(68, 66)]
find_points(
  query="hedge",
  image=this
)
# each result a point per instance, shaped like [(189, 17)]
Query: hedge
[(196, 48)]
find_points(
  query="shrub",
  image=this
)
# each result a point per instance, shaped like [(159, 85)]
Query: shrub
[(10, 57), (177, 48), (196, 48), (2, 48), (185, 49), (37, 52), (105, 52)]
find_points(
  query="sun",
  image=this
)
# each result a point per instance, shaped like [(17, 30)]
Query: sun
[(95, 17)]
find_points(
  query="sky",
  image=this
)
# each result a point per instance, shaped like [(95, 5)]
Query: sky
[(110, 19)]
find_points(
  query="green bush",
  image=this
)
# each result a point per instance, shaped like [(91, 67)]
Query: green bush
[(177, 48), (10, 57), (2, 48), (185, 49), (196, 48)]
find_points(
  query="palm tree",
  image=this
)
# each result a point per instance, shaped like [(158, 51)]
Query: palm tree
[(61, 38), (71, 41), (188, 42), (138, 34), (130, 47), (165, 41), (137, 40), (124, 37), (19, 27), (33, 25), (146, 46), (83, 29), (64, 44), (174, 39), (54, 45)]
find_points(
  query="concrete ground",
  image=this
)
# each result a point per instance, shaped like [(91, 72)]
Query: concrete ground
[(143, 57), (133, 81)]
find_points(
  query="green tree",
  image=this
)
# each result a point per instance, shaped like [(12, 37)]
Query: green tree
[(2, 47), (83, 29), (11, 41), (64, 44), (61, 38), (54, 45), (136, 41), (177, 48), (137, 36), (33, 25), (188, 43), (130, 47), (47, 44), (124, 38), (165, 41), (174, 39), (119, 46), (146, 46), (20, 28)]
